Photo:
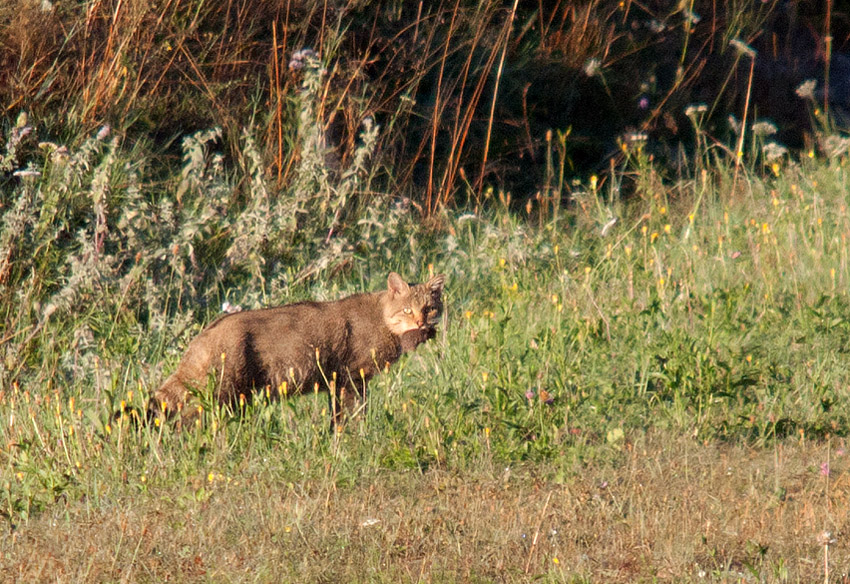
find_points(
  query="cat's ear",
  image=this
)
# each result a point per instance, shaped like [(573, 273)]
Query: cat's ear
[(397, 286), (435, 284)]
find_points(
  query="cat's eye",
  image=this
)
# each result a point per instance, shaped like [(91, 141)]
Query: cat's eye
[(408, 311)]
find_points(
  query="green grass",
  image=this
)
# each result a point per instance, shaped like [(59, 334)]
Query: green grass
[(649, 401)]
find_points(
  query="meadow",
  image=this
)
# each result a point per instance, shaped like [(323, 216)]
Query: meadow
[(639, 376), (655, 398)]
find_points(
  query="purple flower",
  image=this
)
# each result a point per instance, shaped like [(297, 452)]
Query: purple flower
[(824, 469), (643, 102), (529, 395), (299, 57)]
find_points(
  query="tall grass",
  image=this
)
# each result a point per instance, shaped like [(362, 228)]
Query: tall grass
[(465, 91)]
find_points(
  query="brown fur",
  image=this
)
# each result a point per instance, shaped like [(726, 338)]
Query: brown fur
[(333, 346)]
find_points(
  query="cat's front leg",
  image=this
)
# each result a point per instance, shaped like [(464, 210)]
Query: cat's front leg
[(412, 339)]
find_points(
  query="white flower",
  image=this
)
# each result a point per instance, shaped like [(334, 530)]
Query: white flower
[(806, 89), (591, 67), (773, 151), (764, 128), (743, 48), (696, 108)]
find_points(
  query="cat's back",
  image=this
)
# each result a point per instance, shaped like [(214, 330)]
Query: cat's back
[(295, 318)]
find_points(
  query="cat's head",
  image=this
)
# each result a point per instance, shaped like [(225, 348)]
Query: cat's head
[(408, 308)]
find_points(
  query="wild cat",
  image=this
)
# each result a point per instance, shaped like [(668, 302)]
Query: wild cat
[(330, 346)]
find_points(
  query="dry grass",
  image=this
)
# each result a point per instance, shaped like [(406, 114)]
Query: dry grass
[(661, 509)]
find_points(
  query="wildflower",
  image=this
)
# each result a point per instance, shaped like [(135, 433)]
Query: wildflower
[(656, 26), (734, 125), (764, 128), (806, 90), (743, 48), (300, 57), (643, 102), (529, 395), (636, 137), (692, 110), (773, 151), (104, 131), (691, 17), (824, 469), (591, 67)]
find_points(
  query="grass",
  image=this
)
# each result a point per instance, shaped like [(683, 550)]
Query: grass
[(658, 509), (659, 398)]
